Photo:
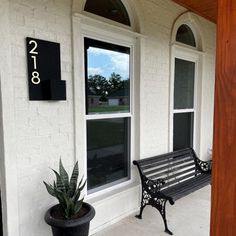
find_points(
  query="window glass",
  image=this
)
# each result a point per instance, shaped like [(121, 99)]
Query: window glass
[(107, 151), (184, 84), (111, 9), (107, 77), (185, 35), (183, 130)]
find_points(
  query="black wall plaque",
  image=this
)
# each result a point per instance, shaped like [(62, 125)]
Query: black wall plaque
[(44, 70)]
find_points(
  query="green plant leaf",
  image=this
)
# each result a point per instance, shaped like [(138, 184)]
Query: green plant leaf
[(60, 185), (80, 182), (50, 189), (73, 180), (64, 175), (78, 205), (77, 195), (60, 197), (79, 190), (82, 187), (67, 192), (69, 211)]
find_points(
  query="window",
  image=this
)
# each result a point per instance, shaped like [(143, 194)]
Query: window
[(183, 104), (107, 77), (185, 35), (107, 151), (184, 84), (108, 106), (110, 9)]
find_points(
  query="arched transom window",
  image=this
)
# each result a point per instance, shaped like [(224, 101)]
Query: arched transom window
[(110, 9), (185, 35)]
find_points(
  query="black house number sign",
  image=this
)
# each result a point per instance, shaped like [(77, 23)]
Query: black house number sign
[(44, 70)]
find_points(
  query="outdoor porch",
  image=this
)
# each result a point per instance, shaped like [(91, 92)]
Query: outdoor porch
[(36, 134), (189, 216)]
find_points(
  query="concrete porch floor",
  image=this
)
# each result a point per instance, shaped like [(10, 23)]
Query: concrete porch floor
[(190, 216)]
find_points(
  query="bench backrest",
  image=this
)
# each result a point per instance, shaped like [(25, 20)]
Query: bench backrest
[(172, 167)]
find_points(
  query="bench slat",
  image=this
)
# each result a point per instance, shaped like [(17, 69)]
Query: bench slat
[(167, 165), (174, 171), (159, 158), (188, 185), (180, 179)]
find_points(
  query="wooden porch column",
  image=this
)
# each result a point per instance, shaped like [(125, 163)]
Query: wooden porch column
[(223, 211)]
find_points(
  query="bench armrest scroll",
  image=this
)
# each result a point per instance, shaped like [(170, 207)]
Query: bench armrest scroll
[(205, 166), (153, 185)]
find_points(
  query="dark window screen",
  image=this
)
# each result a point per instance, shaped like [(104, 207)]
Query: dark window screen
[(110, 9), (107, 151), (184, 84), (183, 130)]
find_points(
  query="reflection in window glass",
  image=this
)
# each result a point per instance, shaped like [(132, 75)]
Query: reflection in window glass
[(183, 130), (185, 35), (107, 77), (184, 84), (110, 9), (107, 151)]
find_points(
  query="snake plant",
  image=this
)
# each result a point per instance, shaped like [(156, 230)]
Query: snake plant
[(67, 191)]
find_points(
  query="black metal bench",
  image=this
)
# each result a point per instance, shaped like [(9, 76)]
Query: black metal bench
[(169, 177)]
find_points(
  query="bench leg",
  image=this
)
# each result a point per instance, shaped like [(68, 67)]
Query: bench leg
[(144, 202), (139, 216), (161, 207)]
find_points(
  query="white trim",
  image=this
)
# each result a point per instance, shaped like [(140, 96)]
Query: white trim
[(93, 24), (107, 116), (130, 6), (86, 27), (191, 20), (186, 48), (180, 52), (183, 111), (8, 153)]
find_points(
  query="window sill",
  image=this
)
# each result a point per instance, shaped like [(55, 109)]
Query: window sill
[(104, 196)]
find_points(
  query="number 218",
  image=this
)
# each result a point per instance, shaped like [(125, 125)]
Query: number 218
[(35, 79)]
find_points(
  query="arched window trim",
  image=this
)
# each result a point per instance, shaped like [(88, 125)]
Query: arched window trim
[(192, 22), (187, 46)]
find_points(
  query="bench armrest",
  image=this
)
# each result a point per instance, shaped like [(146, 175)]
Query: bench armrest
[(204, 166), (153, 185)]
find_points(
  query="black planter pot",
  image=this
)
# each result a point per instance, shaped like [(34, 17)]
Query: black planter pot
[(73, 227)]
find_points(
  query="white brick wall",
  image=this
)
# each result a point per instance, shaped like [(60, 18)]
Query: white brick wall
[(155, 92), (44, 131)]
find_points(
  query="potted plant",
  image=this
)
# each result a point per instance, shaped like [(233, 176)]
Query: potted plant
[(72, 216)]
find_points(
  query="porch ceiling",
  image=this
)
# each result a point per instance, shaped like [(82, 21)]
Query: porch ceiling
[(207, 9)]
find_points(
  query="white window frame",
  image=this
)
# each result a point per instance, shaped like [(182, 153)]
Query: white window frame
[(193, 55), (84, 26)]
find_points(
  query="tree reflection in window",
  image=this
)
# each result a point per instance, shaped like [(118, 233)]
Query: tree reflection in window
[(107, 77)]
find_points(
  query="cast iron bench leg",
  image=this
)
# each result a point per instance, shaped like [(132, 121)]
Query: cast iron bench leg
[(139, 216), (161, 207)]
